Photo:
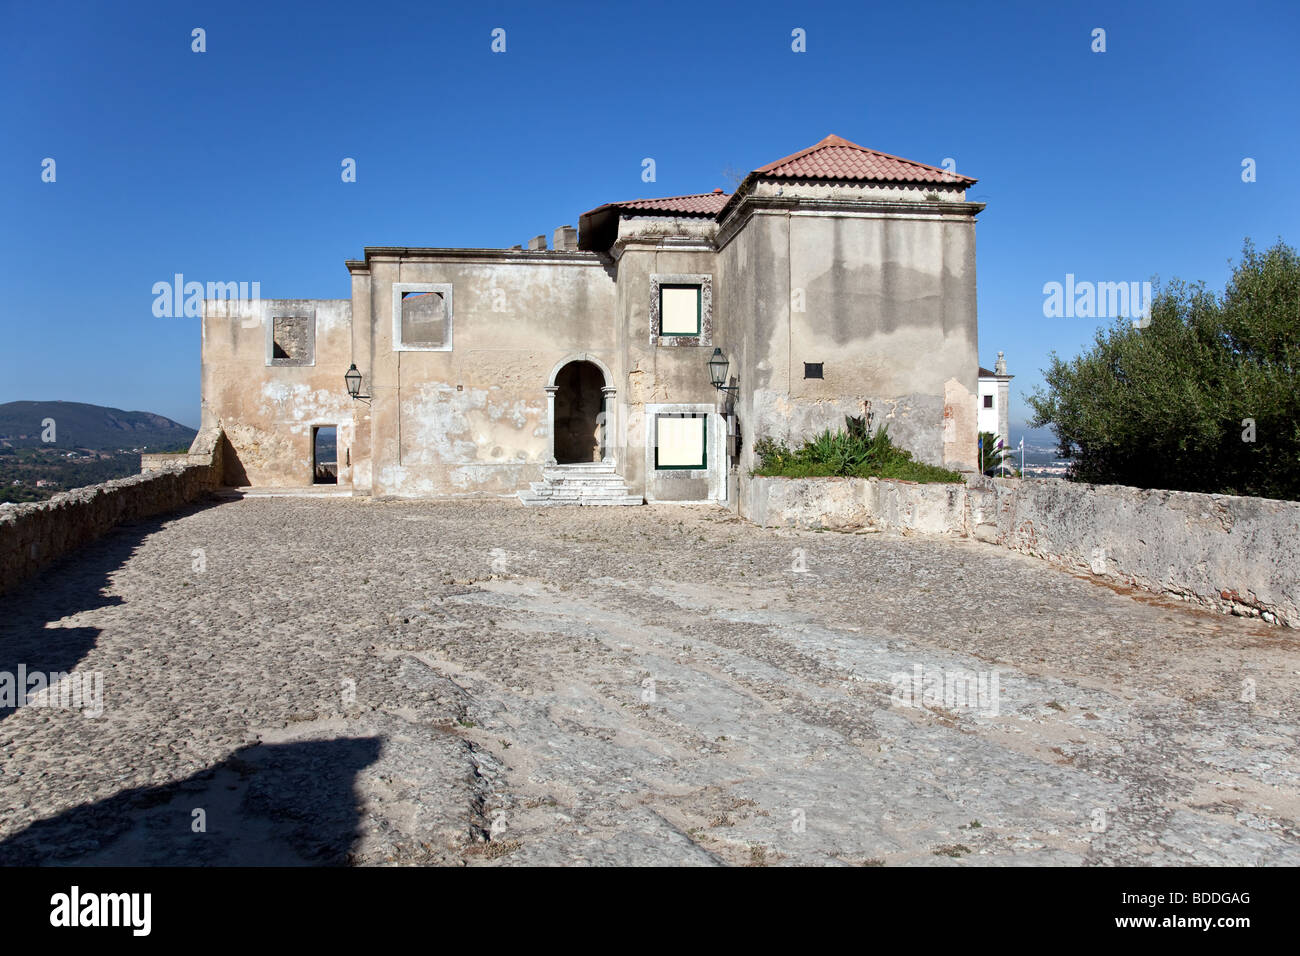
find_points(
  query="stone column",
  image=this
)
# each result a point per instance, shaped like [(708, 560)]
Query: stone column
[(550, 423), (608, 451)]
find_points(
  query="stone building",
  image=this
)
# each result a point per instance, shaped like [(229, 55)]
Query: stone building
[(834, 280)]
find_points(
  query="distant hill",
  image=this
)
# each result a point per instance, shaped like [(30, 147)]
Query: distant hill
[(78, 425)]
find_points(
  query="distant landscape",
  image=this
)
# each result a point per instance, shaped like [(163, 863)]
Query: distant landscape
[(90, 444), (1041, 458)]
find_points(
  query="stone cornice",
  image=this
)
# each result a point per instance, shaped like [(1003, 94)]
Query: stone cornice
[(875, 209), (526, 256), (661, 244)]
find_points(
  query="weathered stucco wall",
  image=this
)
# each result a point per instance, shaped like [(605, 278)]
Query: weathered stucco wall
[(659, 375), (883, 299), (267, 411), (473, 420), (1236, 554), (34, 534)]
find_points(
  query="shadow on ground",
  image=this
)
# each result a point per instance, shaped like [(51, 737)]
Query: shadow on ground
[(66, 586), (289, 804)]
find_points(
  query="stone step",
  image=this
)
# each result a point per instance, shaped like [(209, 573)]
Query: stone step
[(612, 481), (581, 493), (586, 483), (535, 502), (583, 489), (579, 470)]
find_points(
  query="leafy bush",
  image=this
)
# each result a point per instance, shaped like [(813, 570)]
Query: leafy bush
[(992, 456), (851, 452), (1206, 398)]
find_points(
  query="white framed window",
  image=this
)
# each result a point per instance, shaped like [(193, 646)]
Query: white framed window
[(422, 316), (681, 309), (685, 452)]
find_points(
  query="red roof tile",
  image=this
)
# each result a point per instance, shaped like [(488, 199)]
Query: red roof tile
[(697, 204), (834, 158), (837, 158)]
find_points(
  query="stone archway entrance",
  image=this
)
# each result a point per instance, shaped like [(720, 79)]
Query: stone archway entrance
[(581, 463), (579, 407)]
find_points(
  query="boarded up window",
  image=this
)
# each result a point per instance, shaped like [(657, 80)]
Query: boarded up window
[(679, 310), (293, 340), (424, 319), (680, 441)]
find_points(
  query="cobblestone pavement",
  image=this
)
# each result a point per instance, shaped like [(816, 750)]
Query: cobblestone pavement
[(293, 680)]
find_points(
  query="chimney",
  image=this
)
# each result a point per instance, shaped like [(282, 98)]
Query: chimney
[(566, 238), (537, 243)]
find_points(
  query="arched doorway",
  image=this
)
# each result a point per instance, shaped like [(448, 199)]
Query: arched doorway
[(579, 407)]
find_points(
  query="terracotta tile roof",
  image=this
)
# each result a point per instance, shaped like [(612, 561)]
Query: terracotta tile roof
[(697, 204), (837, 158), (834, 158)]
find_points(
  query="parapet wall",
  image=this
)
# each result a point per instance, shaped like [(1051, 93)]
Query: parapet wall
[(1235, 554), (34, 534)]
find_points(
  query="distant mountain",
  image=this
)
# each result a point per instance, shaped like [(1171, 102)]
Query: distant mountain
[(78, 425)]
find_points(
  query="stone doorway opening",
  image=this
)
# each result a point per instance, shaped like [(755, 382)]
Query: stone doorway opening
[(324, 455), (579, 408)]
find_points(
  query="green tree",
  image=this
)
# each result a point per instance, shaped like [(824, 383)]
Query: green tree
[(1205, 398)]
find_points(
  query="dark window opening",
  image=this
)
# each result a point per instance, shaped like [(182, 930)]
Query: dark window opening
[(424, 319), (579, 413), (291, 339), (988, 401), (813, 370), (325, 455)]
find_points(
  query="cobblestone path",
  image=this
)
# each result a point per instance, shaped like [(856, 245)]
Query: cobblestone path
[(304, 681)]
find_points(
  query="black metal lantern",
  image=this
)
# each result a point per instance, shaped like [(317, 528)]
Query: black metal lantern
[(353, 379), (718, 370)]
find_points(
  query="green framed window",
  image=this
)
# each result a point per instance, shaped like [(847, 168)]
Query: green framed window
[(681, 310), (681, 441)]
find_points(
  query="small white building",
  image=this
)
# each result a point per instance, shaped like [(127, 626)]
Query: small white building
[(994, 401)]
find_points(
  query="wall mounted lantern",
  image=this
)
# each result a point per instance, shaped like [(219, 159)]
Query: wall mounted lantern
[(718, 372), (353, 378)]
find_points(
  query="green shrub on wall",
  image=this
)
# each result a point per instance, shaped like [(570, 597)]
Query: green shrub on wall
[(852, 452)]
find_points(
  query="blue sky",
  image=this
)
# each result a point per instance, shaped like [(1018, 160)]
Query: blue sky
[(224, 166)]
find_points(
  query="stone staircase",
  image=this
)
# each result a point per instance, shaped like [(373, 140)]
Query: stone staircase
[(588, 483)]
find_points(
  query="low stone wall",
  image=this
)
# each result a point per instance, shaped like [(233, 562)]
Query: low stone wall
[(34, 534), (848, 504), (1235, 554)]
